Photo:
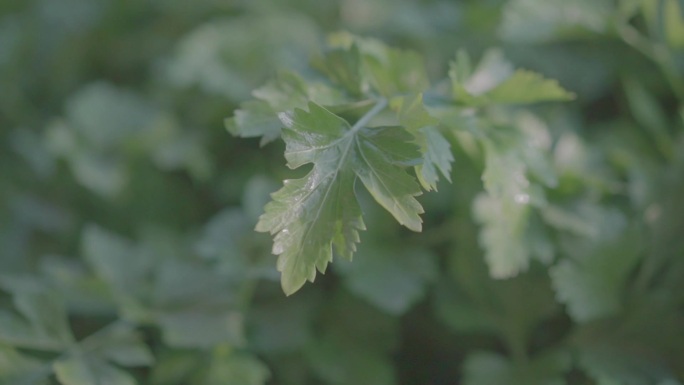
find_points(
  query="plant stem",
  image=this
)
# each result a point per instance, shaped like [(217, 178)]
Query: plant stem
[(365, 119)]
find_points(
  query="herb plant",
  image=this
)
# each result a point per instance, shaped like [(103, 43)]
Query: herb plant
[(484, 192)]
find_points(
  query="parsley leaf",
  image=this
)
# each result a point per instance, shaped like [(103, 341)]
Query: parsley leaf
[(310, 215)]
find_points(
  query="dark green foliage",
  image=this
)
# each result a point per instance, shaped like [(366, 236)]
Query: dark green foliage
[(493, 190)]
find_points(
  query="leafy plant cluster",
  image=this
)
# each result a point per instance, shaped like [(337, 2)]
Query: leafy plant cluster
[(497, 184)]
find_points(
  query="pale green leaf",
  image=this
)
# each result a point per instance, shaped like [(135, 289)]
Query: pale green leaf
[(525, 87), (255, 119), (495, 82), (503, 212), (393, 71), (236, 369), (532, 21), (82, 370)]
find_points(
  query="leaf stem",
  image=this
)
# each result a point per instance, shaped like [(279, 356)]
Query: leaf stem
[(382, 103), (657, 52)]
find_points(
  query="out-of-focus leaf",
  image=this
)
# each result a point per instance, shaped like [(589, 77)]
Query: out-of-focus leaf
[(82, 370), (531, 21), (235, 368), (207, 58), (670, 23), (390, 279), (495, 82), (122, 345), (16, 368), (282, 326), (200, 329), (259, 118), (644, 345), (41, 323), (491, 369), (592, 286)]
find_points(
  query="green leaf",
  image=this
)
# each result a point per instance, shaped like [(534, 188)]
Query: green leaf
[(340, 364), (255, 119), (82, 370), (343, 67), (486, 368), (436, 150), (438, 156), (122, 345), (283, 326), (393, 71), (43, 323), (531, 21), (390, 279), (593, 286), (492, 70), (120, 263), (197, 329), (642, 345), (234, 368), (354, 343), (503, 212), (19, 369), (259, 118), (525, 87), (495, 82), (310, 215)]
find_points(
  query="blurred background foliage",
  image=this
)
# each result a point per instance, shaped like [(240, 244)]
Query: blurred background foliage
[(127, 251)]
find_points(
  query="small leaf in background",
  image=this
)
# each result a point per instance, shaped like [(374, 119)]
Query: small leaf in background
[(459, 312), (666, 18), (16, 368), (338, 364), (495, 82), (531, 21), (644, 345), (486, 368), (80, 369), (259, 118), (592, 286), (235, 368), (343, 67), (116, 260), (392, 280), (340, 353), (393, 71), (283, 326), (503, 214), (207, 56), (525, 87), (41, 322), (120, 344)]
